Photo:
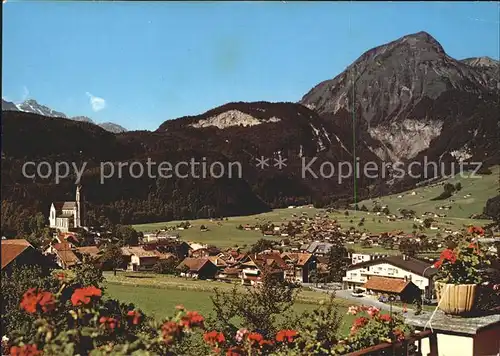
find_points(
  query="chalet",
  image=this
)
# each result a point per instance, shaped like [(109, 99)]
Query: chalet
[(63, 255), (218, 262), (318, 248), (404, 289), (230, 274), (139, 259), (253, 268), (300, 266), (205, 252), (19, 252), (180, 249), (201, 268), (364, 257), (89, 253), (396, 267)]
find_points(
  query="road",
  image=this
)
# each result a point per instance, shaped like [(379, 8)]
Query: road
[(370, 301)]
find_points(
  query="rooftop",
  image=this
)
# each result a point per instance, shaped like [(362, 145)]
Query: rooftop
[(390, 285)]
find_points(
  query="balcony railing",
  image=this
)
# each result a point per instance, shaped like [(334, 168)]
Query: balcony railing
[(411, 346)]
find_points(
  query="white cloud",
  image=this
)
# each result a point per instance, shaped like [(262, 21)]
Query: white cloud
[(97, 103)]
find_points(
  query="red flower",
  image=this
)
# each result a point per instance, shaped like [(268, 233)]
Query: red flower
[(385, 317), (446, 255), (192, 319), (214, 337), (399, 334), (34, 297), (475, 247), (286, 335), (475, 230), (109, 322), (170, 331), (255, 337), (135, 316), (26, 350), (84, 295)]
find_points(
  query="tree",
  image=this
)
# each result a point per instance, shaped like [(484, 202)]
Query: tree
[(428, 222), (364, 208), (314, 277), (346, 213), (113, 257), (458, 186), (258, 309), (261, 245), (167, 266), (338, 260), (127, 235), (386, 211), (449, 188)]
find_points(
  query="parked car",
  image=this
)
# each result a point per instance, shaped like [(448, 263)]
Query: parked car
[(358, 293)]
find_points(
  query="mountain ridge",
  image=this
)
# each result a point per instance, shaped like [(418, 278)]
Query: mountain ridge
[(396, 91), (32, 106), (447, 113)]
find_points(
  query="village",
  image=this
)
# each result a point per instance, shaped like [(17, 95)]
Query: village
[(309, 249)]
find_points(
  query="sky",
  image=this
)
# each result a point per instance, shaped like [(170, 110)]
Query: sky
[(141, 63)]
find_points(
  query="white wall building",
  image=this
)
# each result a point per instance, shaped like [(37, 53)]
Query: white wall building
[(399, 267)]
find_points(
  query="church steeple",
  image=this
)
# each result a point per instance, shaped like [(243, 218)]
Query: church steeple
[(80, 207)]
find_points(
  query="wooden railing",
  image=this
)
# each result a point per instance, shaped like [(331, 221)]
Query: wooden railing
[(411, 346)]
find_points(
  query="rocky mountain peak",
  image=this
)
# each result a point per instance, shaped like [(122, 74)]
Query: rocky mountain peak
[(389, 89)]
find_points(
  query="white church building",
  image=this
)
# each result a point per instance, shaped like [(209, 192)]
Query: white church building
[(66, 215)]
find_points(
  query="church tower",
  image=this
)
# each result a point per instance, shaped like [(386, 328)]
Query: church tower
[(80, 207)]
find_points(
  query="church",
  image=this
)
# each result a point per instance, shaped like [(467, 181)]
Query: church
[(67, 215)]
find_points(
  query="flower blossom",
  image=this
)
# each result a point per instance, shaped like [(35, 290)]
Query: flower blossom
[(170, 331), (26, 350), (214, 337), (83, 296), (446, 255), (240, 334), (385, 317), (286, 335), (373, 311), (135, 316), (109, 322), (255, 337), (352, 310), (192, 319), (34, 298), (399, 334)]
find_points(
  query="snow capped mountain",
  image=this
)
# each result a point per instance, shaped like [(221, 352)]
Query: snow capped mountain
[(32, 106)]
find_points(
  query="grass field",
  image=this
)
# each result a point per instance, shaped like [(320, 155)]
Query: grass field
[(224, 234), (480, 188), (157, 295)]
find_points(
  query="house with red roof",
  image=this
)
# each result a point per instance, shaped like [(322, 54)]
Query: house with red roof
[(63, 255), (200, 268), (19, 252)]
